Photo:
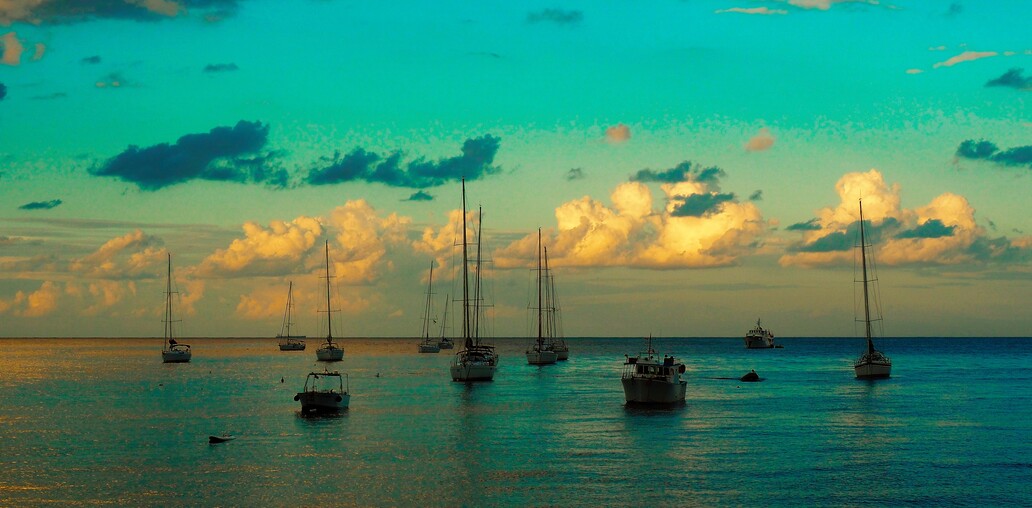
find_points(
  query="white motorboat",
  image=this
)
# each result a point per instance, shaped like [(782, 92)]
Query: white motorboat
[(759, 338), (324, 392), (647, 379), (172, 351), (476, 361), (329, 352), (871, 364), (287, 341)]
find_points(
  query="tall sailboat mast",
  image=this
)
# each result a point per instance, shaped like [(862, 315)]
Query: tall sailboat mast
[(329, 312), (465, 274), (168, 301), (863, 261), (426, 313), (540, 307), (477, 297)]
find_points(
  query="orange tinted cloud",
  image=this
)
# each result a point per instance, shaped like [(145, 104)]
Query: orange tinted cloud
[(966, 56), (12, 49), (761, 141), (618, 133)]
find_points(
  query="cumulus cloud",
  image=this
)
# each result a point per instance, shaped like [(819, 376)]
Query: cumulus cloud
[(277, 249), (967, 56), (41, 205), (1012, 79), (556, 16), (986, 150), (698, 226), (752, 10), (761, 141), (226, 67), (75, 11), (12, 49), (218, 155), (618, 133), (476, 161), (130, 256), (944, 232), (362, 239)]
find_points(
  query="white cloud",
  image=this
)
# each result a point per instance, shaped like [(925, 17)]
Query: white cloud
[(966, 56), (277, 249), (763, 11), (761, 141)]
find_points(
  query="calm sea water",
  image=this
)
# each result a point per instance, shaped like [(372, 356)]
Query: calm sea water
[(90, 421)]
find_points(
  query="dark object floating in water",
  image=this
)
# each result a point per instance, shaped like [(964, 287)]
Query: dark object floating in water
[(752, 376), (220, 439)]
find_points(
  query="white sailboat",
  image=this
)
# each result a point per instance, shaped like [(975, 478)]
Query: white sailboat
[(172, 351), (540, 352), (324, 392), (872, 363), (288, 342), (428, 344), (476, 361), (648, 380), (329, 352), (554, 322)]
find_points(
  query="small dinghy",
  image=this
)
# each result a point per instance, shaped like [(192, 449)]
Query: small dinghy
[(220, 439), (750, 377)]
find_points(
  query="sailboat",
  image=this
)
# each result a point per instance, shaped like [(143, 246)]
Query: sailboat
[(445, 342), (288, 342), (540, 352), (172, 351), (428, 344), (554, 322), (329, 352), (872, 363), (475, 361)]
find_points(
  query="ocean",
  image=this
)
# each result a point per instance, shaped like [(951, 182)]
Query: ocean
[(104, 422)]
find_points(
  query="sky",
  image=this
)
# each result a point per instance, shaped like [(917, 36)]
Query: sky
[(692, 165)]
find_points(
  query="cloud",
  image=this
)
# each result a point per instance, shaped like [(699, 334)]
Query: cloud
[(130, 256), (697, 227), (931, 228), (76, 11), (824, 5), (698, 205), (12, 49), (914, 71), (756, 196), (986, 150), (40, 50), (966, 56), (3, 91), (761, 141), (683, 172), (618, 133), (557, 16), (420, 196), (41, 205), (810, 225), (218, 155), (359, 255), (475, 162), (575, 174), (226, 67), (944, 232), (753, 10), (277, 249), (1012, 79), (90, 60)]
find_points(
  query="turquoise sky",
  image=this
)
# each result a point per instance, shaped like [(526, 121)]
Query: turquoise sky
[(694, 164)]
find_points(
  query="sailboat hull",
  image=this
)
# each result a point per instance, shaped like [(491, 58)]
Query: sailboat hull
[(562, 354), (472, 372), (446, 345), (429, 348), (292, 347), (176, 356), (542, 357), (872, 370), (326, 354), (651, 391)]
